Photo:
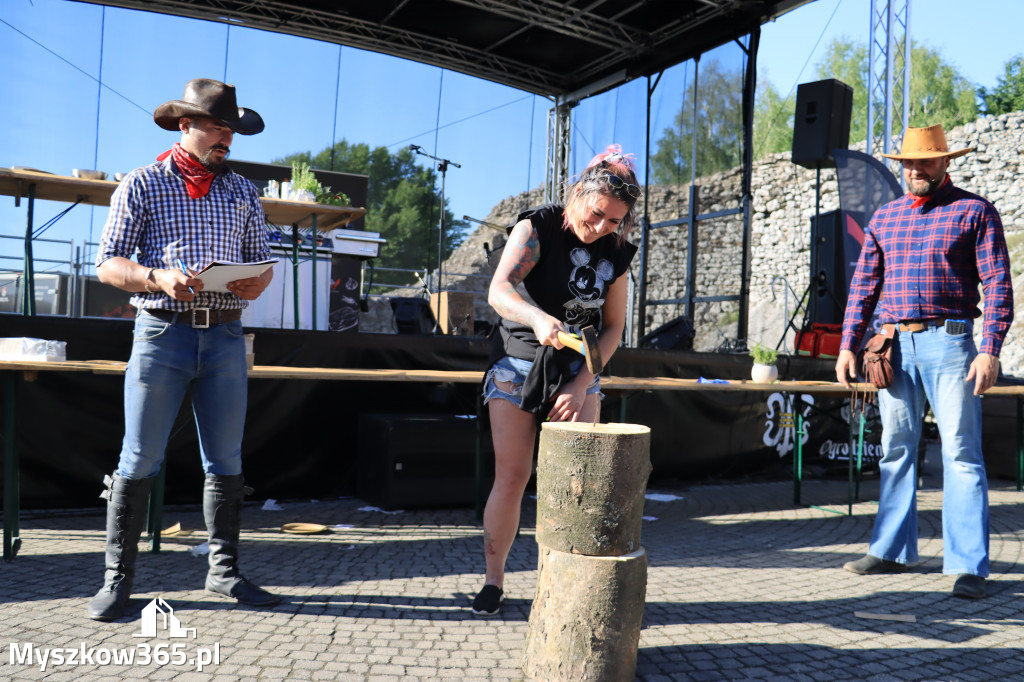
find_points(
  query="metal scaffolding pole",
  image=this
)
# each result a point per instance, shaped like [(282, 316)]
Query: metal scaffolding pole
[(559, 138), (889, 73)]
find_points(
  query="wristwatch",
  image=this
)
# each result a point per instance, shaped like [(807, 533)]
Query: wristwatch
[(149, 278)]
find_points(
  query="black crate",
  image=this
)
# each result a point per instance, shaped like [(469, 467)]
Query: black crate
[(421, 460)]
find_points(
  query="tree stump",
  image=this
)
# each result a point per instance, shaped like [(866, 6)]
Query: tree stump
[(591, 480), (592, 576)]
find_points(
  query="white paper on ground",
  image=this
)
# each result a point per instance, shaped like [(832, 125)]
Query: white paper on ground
[(662, 497)]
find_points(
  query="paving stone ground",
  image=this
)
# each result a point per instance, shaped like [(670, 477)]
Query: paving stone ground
[(742, 585)]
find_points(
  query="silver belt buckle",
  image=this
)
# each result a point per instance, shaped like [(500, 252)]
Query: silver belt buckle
[(200, 318)]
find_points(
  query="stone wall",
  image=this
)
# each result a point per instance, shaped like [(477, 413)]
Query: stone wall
[(782, 209)]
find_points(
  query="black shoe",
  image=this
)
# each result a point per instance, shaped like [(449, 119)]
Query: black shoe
[(872, 565), (110, 603), (969, 586), (488, 601), (240, 589)]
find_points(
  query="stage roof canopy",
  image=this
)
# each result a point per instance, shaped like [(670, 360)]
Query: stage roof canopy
[(565, 49)]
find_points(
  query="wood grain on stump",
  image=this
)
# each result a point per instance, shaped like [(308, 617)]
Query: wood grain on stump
[(591, 480), (592, 574), (586, 617)]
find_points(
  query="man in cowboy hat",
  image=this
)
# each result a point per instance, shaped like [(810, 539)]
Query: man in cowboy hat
[(923, 258), (187, 208)]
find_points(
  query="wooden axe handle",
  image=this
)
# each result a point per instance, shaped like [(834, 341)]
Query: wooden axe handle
[(572, 342), (585, 346)]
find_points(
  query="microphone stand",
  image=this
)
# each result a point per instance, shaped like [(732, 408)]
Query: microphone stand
[(442, 165)]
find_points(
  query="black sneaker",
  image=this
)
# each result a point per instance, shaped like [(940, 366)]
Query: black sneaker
[(969, 587), (872, 565), (488, 601)]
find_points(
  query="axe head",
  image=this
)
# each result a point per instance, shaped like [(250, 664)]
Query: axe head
[(591, 351)]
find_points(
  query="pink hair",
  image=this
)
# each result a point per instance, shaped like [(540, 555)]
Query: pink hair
[(615, 160), (578, 199)]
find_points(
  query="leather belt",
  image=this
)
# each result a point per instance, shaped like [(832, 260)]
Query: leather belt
[(197, 318), (920, 325)]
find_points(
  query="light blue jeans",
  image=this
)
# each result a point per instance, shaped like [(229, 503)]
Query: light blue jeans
[(933, 364), (166, 361)]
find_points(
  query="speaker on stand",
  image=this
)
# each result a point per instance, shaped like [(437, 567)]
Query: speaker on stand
[(821, 124)]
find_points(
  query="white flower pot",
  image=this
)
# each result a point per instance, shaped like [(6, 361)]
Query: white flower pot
[(764, 374)]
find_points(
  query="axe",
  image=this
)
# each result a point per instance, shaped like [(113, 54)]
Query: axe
[(585, 346)]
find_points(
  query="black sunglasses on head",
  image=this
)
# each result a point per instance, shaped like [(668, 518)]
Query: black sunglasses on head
[(618, 183)]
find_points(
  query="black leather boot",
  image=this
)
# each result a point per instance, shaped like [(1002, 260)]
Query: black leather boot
[(222, 507), (126, 512)]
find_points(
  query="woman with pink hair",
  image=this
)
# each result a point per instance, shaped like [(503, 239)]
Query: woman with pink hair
[(571, 260)]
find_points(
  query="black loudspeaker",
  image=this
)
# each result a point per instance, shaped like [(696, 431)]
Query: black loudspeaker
[(420, 460), (412, 315), (674, 335), (822, 122), (829, 281)]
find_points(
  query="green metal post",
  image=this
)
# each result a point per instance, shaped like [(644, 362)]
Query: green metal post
[(479, 458), (1020, 443), (28, 296), (849, 465), (860, 451), (295, 270), (313, 236), (12, 492), (798, 454), (156, 508)]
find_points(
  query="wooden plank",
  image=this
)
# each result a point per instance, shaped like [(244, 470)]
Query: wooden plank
[(473, 377), (98, 192)]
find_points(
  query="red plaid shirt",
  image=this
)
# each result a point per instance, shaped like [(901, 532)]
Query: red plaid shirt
[(927, 261)]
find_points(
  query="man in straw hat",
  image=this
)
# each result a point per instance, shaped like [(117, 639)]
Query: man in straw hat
[(184, 211), (924, 256)]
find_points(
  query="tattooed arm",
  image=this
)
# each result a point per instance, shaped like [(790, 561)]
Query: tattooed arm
[(518, 258)]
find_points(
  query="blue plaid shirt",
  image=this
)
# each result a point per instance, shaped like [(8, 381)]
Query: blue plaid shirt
[(152, 214), (927, 262)]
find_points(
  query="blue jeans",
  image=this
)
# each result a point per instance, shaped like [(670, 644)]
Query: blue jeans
[(933, 364), (514, 370), (166, 361)]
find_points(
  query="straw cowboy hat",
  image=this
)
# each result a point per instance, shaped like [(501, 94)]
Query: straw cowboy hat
[(206, 97), (926, 143)]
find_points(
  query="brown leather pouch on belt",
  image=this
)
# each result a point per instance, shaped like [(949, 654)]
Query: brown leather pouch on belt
[(875, 360)]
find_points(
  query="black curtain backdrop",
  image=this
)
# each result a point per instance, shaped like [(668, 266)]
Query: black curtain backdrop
[(302, 437)]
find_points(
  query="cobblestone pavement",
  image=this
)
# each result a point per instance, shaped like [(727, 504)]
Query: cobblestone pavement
[(742, 584)]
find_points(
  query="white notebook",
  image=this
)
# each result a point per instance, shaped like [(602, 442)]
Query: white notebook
[(217, 274)]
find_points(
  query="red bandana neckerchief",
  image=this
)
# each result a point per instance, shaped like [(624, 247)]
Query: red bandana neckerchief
[(921, 201), (197, 177)]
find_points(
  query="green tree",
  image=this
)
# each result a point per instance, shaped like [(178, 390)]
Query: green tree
[(402, 202), (719, 129), (1008, 95), (938, 93), (773, 120)]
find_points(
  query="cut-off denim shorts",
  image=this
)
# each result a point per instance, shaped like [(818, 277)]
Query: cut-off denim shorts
[(515, 370)]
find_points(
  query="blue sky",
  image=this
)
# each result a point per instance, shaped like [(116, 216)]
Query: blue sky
[(54, 116)]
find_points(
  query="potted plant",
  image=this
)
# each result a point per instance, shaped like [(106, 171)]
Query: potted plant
[(308, 188), (764, 370)]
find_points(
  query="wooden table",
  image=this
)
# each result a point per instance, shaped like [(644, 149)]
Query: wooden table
[(35, 184), (29, 368)]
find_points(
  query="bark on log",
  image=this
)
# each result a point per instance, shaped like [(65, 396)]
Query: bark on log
[(586, 617), (591, 480)]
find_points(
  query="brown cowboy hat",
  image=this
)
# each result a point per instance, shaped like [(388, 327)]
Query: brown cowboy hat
[(207, 97), (926, 143)]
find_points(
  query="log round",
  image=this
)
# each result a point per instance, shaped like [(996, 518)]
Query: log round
[(586, 617), (591, 480)]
